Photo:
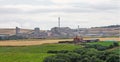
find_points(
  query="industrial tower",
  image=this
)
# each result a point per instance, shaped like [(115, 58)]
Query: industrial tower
[(59, 22)]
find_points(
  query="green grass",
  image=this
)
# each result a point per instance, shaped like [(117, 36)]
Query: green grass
[(31, 53), (104, 43), (38, 49), (23, 57), (37, 53), (116, 50)]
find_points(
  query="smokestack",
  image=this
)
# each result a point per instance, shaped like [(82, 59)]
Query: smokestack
[(59, 22), (78, 30)]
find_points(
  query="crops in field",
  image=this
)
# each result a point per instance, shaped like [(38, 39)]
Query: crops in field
[(31, 53), (23, 57), (104, 43)]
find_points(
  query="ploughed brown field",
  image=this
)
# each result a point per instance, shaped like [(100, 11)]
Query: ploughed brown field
[(39, 42)]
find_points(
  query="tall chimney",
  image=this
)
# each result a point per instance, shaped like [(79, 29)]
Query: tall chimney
[(59, 22), (78, 30)]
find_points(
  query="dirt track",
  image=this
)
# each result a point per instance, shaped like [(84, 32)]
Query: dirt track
[(39, 42)]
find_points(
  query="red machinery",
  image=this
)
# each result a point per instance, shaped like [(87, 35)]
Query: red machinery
[(78, 39)]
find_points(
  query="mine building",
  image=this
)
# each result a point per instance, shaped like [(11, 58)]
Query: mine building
[(36, 33)]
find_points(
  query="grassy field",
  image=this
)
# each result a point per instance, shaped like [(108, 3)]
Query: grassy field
[(104, 43), (36, 53), (31, 53), (23, 57), (38, 49)]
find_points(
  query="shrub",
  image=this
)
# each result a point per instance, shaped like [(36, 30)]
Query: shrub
[(63, 51), (101, 48), (80, 51), (115, 44), (94, 59), (49, 59), (58, 58), (93, 53), (104, 55), (85, 60), (55, 51), (74, 57), (111, 46), (113, 58), (52, 51), (96, 46), (65, 42)]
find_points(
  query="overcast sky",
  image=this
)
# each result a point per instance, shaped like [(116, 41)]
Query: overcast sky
[(44, 13)]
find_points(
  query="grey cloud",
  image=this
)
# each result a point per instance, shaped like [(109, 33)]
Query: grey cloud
[(26, 23), (39, 10), (77, 7), (104, 6), (10, 11), (31, 2), (76, 13), (107, 7)]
